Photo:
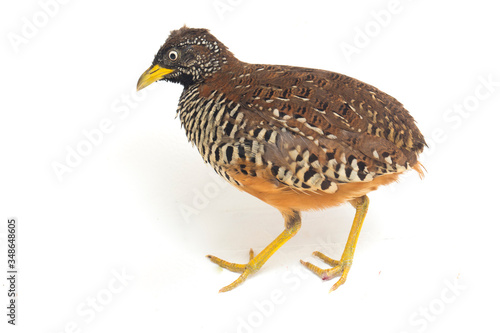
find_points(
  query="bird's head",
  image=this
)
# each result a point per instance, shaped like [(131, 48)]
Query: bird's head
[(188, 56)]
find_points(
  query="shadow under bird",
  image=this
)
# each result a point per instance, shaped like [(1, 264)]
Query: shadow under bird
[(296, 138)]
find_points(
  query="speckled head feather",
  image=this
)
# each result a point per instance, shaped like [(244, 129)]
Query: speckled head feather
[(194, 54)]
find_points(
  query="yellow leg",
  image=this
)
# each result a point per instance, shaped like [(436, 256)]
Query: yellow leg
[(341, 268), (292, 225)]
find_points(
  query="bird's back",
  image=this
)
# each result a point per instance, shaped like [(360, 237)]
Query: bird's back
[(299, 129)]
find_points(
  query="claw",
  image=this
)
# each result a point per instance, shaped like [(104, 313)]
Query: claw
[(237, 268), (244, 269), (326, 259), (326, 274), (338, 283), (236, 282)]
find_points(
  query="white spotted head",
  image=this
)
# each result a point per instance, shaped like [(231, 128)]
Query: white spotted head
[(190, 55)]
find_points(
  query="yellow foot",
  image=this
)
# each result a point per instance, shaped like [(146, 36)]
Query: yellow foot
[(292, 223), (339, 268), (244, 269)]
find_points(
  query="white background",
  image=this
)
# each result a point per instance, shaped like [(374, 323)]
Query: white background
[(427, 259)]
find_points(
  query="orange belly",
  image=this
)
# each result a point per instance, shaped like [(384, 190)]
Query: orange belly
[(285, 198)]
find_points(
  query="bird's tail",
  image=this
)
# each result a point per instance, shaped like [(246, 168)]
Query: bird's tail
[(419, 167)]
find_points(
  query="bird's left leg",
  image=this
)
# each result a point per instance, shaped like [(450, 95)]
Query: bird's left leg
[(292, 226), (341, 268)]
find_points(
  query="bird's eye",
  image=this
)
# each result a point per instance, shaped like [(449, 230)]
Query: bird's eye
[(173, 55)]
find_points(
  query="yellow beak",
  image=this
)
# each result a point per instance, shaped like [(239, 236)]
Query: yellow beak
[(152, 74)]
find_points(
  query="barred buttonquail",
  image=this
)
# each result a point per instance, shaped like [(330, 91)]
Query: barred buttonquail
[(296, 138)]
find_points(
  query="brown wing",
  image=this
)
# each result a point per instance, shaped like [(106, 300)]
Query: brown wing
[(314, 129)]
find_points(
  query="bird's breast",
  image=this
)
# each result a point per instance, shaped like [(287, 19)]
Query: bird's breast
[(216, 126)]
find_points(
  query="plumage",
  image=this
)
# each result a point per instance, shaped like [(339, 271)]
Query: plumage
[(296, 138)]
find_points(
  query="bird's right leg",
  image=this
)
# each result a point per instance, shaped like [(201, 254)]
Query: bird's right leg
[(292, 226), (341, 267)]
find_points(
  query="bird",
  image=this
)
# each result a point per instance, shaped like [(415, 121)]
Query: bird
[(297, 138)]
